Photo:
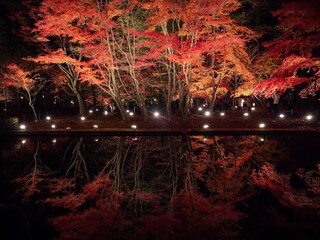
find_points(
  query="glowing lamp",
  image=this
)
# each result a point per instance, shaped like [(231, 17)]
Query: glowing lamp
[(207, 113), (262, 139), (246, 114), (54, 140), (200, 109), (156, 114), (127, 110), (222, 114), (130, 113), (83, 118), (309, 117), (134, 126), (48, 118), (22, 127), (253, 108), (206, 126), (95, 126), (105, 112), (90, 111), (262, 125), (24, 141), (53, 126), (281, 115), (96, 140)]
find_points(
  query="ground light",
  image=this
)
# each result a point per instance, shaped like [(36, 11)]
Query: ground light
[(253, 108), (206, 126), (105, 112), (262, 139), (281, 115), (54, 140), (134, 126), (95, 126), (246, 114), (83, 118), (222, 114), (53, 126), (24, 141), (22, 127), (130, 113), (90, 111), (309, 117), (96, 140), (200, 109), (262, 125), (156, 114), (48, 118), (207, 113)]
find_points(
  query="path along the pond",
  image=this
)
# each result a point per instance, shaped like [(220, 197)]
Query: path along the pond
[(231, 123)]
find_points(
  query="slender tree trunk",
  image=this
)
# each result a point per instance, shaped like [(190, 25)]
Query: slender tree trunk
[(81, 104), (35, 116)]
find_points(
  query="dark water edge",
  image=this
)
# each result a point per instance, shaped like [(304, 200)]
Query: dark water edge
[(159, 187)]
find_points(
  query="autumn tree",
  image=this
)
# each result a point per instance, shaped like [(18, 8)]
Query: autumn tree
[(51, 27), (296, 47), (186, 36), (29, 82)]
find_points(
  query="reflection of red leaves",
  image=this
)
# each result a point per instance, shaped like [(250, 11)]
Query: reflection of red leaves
[(279, 185), (192, 216)]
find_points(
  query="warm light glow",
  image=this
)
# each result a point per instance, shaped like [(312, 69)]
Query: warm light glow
[(262, 125), (204, 139), (135, 139), (246, 114), (253, 108), (97, 110), (54, 140), (262, 139), (24, 141), (96, 139), (95, 126), (127, 110), (105, 112), (90, 111), (48, 118), (281, 115), (83, 118), (130, 113), (23, 127), (206, 126), (309, 117), (53, 126), (200, 109), (222, 114), (134, 126), (207, 113), (156, 114)]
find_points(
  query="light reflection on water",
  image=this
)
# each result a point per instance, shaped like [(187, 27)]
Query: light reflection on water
[(163, 187)]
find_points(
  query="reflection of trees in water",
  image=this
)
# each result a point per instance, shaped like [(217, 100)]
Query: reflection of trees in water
[(75, 153), (160, 187), (34, 175)]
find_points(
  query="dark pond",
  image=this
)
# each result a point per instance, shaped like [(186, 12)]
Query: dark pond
[(166, 187)]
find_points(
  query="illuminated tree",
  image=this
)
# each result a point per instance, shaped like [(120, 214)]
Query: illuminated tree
[(29, 82), (197, 47), (296, 47)]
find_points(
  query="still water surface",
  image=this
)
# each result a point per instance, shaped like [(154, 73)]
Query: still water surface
[(166, 187)]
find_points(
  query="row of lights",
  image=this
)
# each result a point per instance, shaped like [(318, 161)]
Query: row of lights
[(156, 114)]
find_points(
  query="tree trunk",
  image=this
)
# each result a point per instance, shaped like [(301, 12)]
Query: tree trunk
[(81, 104), (35, 116)]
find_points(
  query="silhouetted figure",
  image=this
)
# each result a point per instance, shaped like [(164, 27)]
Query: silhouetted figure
[(276, 100), (292, 102)]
